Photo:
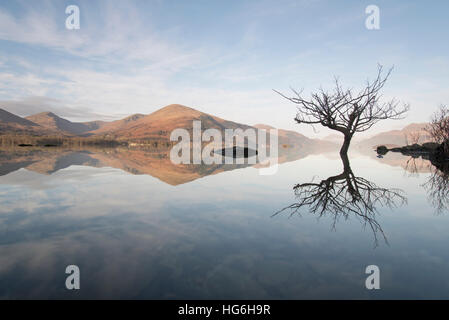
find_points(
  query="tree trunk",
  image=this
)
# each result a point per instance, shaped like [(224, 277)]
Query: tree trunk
[(345, 147)]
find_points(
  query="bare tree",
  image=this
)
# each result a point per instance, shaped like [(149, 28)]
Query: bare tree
[(412, 138), (439, 127), (348, 112)]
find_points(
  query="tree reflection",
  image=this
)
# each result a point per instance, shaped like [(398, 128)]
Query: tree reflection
[(437, 184), (345, 195), (437, 187)]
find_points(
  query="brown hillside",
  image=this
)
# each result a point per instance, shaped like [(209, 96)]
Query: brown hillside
[(110, 127), (10, 123), (398, 137), (162, 122), (55, 123), (8, 117)]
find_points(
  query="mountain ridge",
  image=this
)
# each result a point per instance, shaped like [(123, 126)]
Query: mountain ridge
[(55, 123), (410, 134), (11, 123), (159, 124)]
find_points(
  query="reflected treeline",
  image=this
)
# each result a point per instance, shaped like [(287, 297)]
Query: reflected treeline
[(415, 165), (345, 195), (437, 187), (151, 162), (147, 161), (418, 162), (437, 184)]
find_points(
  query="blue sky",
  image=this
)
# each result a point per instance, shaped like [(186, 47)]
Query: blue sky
[(221, 57)]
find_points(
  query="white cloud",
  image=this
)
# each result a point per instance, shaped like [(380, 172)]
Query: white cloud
[(139, 65), (117, 64), (36, 104)]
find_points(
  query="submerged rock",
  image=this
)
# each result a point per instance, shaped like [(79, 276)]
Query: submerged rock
[(238, 152)]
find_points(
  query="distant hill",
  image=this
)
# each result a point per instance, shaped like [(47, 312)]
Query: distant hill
[(336, 138), (8, 117), (114, 126), (155, 126), (293, 145), (412, 133), (10, 123), (162, 122), (290, 138), (52, 122)]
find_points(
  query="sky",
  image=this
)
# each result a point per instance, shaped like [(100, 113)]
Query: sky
[(220, 57)]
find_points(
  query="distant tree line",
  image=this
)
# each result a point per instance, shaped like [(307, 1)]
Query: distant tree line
[(9, 140)]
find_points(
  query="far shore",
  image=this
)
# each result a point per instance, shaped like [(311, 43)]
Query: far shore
[(27, 141), (432, 151)]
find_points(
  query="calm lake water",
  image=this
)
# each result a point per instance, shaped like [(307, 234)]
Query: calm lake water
[(138, 227)]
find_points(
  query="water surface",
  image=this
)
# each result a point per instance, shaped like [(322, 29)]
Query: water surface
[(139, 227)]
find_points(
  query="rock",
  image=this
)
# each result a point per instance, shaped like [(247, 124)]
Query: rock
[(238, 152), (382, 150)]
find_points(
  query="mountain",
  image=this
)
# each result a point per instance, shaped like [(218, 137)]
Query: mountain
[(10, 123), (114, 126), (56, 124), (289, 139), (155, 126), (8, 117), (412, 133), (162, 122), (336, 138)]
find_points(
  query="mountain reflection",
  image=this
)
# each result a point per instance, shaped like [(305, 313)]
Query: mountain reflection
[(345, 195), (153, 162)]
